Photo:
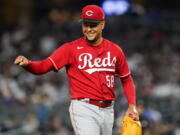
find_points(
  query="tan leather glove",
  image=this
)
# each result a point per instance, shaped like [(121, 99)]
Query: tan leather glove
[(130, 126)]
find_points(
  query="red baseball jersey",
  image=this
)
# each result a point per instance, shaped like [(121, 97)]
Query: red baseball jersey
[(91, 69)]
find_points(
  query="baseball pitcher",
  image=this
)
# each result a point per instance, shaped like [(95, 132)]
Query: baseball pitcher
[(91, 63)]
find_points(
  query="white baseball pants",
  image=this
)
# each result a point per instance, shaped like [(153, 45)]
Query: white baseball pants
[(88, 119)]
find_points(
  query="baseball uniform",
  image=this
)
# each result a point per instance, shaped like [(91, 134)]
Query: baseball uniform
[(91, 71)]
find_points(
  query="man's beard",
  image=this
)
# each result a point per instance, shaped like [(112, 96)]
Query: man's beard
[(92, 41)]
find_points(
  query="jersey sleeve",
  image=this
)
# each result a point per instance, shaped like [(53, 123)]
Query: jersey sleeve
[(62, 56), (123, 72), (122, 69), (39, 67)]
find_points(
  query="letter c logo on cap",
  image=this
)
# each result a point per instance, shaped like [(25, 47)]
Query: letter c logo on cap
[(89, 13)]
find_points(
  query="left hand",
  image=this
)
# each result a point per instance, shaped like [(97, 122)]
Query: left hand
[(132, 112)]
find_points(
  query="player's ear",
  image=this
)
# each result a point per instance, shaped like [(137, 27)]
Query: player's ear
[(102, 24)]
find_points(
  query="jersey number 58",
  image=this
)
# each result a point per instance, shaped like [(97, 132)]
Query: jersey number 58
[(110, 80)]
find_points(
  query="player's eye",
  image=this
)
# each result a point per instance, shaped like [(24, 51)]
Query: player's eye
[(91, 25)]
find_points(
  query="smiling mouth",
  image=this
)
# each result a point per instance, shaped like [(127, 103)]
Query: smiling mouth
[(90, 34)]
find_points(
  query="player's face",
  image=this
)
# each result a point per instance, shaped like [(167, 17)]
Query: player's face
[(92, 31)]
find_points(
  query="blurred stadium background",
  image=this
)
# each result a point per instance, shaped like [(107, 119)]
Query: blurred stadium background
[(147, 30)]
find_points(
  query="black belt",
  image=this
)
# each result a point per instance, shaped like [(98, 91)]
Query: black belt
[(99, 103)]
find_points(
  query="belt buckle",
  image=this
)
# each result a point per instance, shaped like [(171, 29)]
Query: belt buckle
[(85, 100), (101, 101)]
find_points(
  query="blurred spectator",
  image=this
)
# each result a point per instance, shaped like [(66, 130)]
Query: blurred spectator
[(57, 128)]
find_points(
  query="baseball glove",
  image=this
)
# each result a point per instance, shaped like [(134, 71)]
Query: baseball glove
[(130, 126)]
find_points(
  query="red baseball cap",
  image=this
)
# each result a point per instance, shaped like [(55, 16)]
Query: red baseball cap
[(92, 13)]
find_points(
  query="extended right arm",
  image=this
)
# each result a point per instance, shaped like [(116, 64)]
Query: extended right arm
[(35, 67), (58, 59)]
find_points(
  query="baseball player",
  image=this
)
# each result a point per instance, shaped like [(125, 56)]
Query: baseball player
[(91, 63)]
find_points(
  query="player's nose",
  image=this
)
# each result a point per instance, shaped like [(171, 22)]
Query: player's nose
[(89, 28)]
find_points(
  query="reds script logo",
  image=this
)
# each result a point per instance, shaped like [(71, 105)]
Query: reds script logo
[(89, 13), (97, 64)]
